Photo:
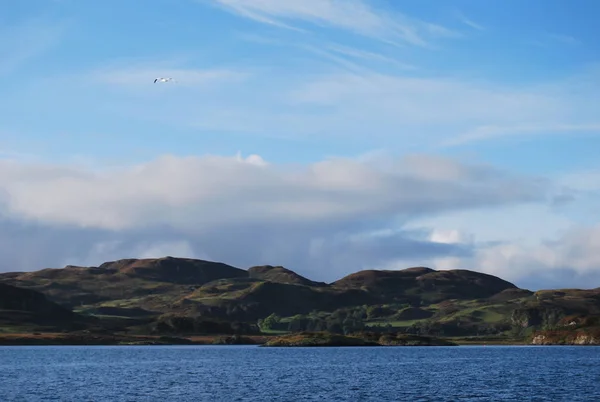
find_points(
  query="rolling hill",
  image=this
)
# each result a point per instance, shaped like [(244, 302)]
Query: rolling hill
[(139, 294), (28, 309)]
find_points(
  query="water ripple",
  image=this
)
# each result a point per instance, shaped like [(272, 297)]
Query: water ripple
[(247, 373)]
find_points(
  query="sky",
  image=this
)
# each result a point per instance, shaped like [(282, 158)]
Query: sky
[(327, 136)]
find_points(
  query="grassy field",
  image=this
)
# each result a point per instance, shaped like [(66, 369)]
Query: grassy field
[(273, 332), (394, 324)]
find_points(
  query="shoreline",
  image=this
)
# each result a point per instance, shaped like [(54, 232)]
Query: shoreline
[(93, 339), (81, 339)]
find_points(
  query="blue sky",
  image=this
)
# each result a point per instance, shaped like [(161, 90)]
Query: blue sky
[(352, 127)]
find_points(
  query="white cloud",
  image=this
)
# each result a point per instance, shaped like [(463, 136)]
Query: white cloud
[(181, 249), (533, 246), (523, 224), (211, 190), (251, 159), (447, 236), (325, 220), (569, 260), (585, 180), (350, 15)]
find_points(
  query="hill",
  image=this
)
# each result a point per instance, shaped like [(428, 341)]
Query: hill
[(280, 274), (252, 299), (425, 284), (127, 282), (177, 294), (27, 309)]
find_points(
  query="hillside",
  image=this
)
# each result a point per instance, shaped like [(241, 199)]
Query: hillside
[(177, 294), (25, 308), (424, 284), (281, 275), (252, 299), (138, 283)]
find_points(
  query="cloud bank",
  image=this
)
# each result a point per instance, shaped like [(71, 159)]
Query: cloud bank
[(213, 191), (326, 219)]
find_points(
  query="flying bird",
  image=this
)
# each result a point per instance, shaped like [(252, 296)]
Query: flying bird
[(163, 79)]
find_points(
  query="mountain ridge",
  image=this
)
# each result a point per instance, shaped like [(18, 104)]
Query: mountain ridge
[(137, 266)]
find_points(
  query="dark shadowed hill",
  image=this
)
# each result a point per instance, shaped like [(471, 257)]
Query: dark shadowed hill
[(184, 271), (17, 299), (125, 279), (425, 284), (24, 307), (281, 275), (370, 279), (251, 298), (462, 283)]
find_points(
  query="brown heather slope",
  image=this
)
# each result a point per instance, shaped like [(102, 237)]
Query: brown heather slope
[(184, 271), (280, 274), (128, 279), (369, 279), (425, 284), (132, 286)]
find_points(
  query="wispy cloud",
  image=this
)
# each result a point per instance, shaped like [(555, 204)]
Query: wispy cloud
[(566, 39), (25, 41), (467, 21), (360, 103), (340, 54), (492, 132), (350, 15), (368, 56), (548, 40), (424, 102)]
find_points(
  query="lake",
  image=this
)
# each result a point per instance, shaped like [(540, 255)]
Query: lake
[(251, 373)]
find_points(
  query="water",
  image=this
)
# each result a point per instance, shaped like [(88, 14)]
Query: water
[(250, 373)]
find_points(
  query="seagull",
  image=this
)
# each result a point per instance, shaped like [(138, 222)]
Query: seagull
[(163, 79)]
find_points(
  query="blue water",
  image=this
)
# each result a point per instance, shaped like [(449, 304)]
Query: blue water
[(250, 373)]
